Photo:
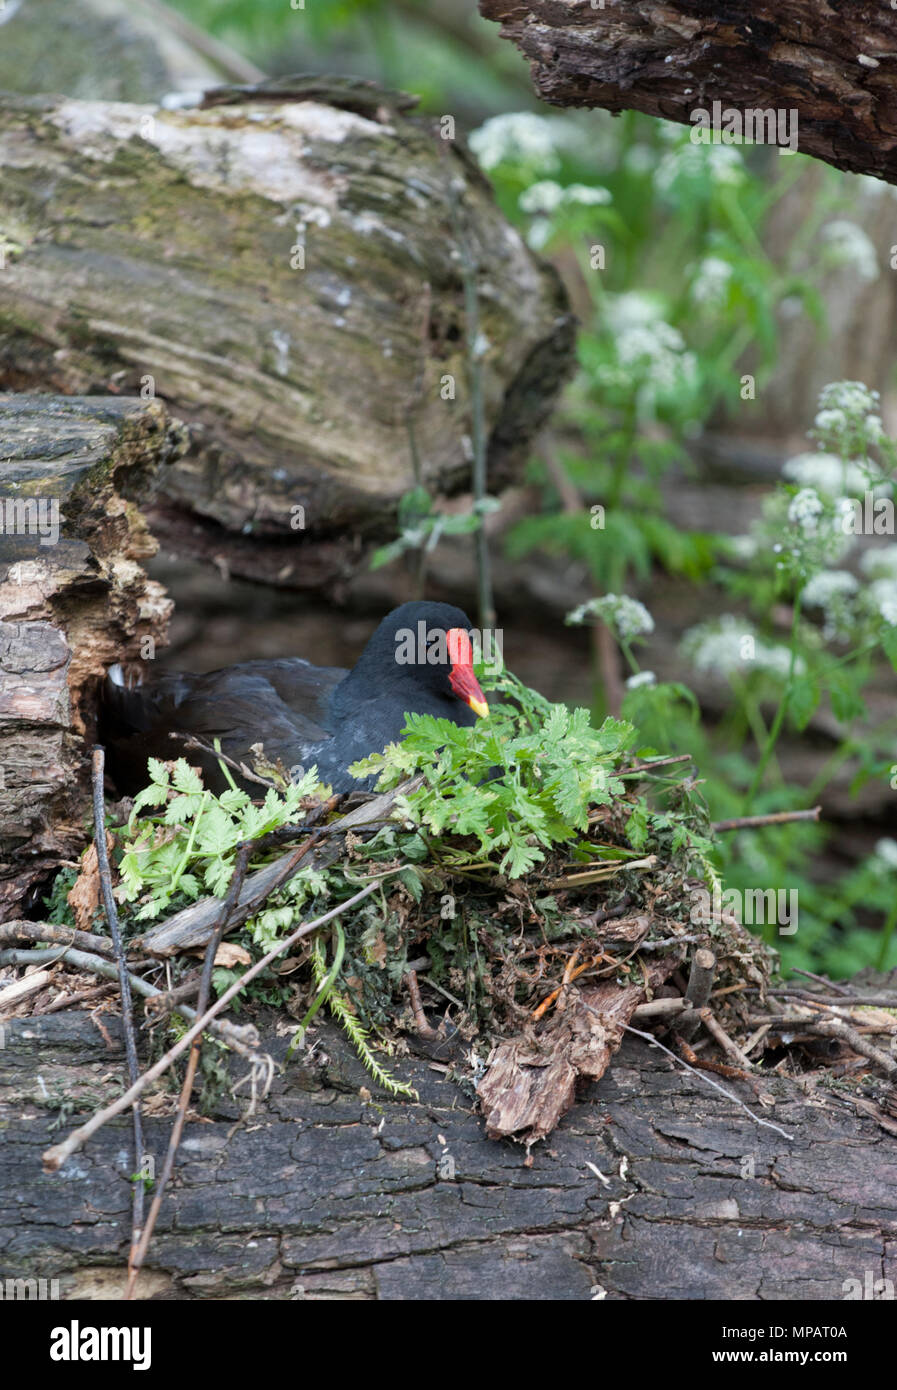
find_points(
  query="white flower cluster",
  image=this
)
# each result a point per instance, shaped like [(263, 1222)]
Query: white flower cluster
[(828, 586), (629, 617), (805, 509), (886, 852), (681, 168), (641, 678), (827, 473), (832, 590), (544, 198), (643, 338), (880, 563), (850, 396), (711, 281), (882, 597), (521, 136), (729, 646), (847, 244)]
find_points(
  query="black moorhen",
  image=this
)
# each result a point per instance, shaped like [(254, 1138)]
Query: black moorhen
[(303, 714)]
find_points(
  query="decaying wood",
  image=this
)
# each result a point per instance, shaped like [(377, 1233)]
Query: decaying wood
[(301, 306), (330, 1193), (833, 64), (73, 599), (530, 1084)]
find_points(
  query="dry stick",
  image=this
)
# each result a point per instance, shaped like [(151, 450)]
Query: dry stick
[(820, 980), (50, 931), (242, 1040), (54, 1157), (81, 996), (12, 996), (244, 852), (716, 1030), (425, 1029), (776, 818), (700, 983), (124, 983), (702, 1076), (837, 1028), (661, 1008), (656, 762)]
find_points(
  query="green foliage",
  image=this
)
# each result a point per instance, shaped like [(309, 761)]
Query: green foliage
[(189, 849), (517, 783)]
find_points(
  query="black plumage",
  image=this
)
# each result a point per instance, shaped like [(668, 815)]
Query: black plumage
[(303, 714)]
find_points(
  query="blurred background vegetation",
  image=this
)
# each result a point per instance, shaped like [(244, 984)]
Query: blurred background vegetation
[(691, 466)]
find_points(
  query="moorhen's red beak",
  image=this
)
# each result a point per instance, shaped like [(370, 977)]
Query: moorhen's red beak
[(461, 678)]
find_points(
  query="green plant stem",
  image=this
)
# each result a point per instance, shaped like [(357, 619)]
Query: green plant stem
[(887, 932), (780, 713), (185, 857)]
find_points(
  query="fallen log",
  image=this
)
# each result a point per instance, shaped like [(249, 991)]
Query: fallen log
[(73, 599), (298, 267), (654, 1185)]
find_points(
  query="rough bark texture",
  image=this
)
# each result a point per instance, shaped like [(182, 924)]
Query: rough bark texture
[(70, 604), (151, 249), (832, 62), (325, 1193)]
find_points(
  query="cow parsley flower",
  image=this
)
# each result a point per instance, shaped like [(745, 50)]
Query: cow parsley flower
[(545, 196), (711, 281), (729, 646), (827, 473), (882, 595), (880, 563), (831, 590), (886, 853), (518, 136), (847, 244), (625, 615), (641, 678), (805, 509), (850, 396)]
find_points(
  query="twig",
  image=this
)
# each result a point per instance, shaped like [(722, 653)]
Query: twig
[(837, 1028), (13, 994), (655, 762), (124, 983), (821, 980), (758, 1120), (51, 931), (242, 1040), (776, 818), (81, 996), (700, 983), (706, 1064), (245, 850), (661, 1008), (425, 1029), (191, 741), (58, 1153), (716, 1030)]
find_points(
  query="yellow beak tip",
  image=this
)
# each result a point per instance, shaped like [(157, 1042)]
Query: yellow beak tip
[(479, 707)]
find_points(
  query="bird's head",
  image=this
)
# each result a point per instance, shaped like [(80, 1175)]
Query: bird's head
[(425, 645)]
